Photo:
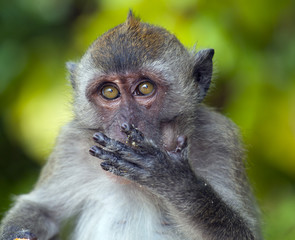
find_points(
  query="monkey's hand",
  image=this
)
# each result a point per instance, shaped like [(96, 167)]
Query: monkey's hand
[(141, 161), (169, 176), (12, 233)]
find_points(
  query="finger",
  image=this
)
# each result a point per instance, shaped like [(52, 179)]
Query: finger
[(109, 167), (135, 137), (126, 169), (25, 235), (109, 143), (102, 154), (181, 143)]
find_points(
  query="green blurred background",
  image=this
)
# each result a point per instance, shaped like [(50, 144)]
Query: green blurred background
[(254, 42)]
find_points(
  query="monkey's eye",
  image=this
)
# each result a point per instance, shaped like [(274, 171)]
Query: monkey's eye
[(110, 92), (145, 88)]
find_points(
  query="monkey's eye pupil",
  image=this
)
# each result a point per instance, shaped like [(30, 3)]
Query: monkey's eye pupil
[(145, 88), (110, 92)]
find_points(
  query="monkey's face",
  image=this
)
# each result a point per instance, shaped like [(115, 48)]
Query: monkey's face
[(132, 98), (141, 75)]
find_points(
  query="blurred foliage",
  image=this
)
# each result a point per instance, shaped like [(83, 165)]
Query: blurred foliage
[(254, 43)]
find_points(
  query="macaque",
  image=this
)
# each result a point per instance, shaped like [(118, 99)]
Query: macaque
[(143, 158)]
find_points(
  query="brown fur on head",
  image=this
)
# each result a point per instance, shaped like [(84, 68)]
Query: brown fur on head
[(130, 45)]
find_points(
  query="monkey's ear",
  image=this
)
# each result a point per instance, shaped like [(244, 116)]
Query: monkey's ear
[(71, 66), (202, 72)]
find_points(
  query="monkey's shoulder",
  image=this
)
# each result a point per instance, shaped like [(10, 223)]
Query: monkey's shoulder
[(216, 133), (211, 120), (216, 144)]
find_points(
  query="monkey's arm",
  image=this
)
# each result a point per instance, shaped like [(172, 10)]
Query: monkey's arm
[(27, 220), (38, 214), (196, 206)]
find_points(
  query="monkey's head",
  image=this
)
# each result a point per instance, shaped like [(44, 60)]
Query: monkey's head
[(139, 74)]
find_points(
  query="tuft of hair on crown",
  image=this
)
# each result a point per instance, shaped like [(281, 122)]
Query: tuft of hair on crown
[(132, 20)]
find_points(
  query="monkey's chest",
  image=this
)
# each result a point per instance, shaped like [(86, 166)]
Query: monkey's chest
[(125, 219)]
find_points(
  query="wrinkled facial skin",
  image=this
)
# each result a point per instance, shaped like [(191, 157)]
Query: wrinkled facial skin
[(132, 98)]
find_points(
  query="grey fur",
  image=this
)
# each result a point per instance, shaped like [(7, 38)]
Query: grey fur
[(174, 190)]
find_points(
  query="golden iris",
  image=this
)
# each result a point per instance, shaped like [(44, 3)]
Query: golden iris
[(110, 92), (146, 88)]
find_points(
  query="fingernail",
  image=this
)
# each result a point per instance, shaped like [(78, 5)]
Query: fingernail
[(182, 142), (98, 137), (93, 150), (125, 126)]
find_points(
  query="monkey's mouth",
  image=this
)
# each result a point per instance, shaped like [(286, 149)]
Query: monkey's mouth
[(122, 132)]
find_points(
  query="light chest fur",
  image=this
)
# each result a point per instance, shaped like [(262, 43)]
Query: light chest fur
[(120, 211)]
